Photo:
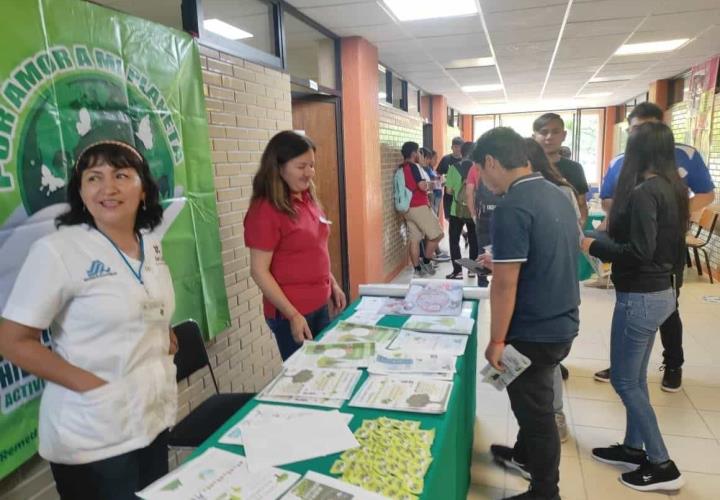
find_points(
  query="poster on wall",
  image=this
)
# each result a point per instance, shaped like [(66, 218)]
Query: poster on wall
[(73, 73), (701, 98)]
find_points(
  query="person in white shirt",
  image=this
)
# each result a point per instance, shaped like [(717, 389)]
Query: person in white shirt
[(100, 285)]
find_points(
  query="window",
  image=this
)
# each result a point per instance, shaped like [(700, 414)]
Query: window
[(592, 133), (482, 124), (399, 93), (383, 95), (246, 28), (413, 99), (453, 117), (310, 53)]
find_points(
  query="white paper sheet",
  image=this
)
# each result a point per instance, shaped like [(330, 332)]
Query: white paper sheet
[(345, 331), (314, 486), (315, 382), (406, 364), (515, 363), (364, 318), (413, 394), (277, 414), (459, 325), (302, 438), (447, 344), (217, 474), (435, 297), (332, 355), (371, 305)]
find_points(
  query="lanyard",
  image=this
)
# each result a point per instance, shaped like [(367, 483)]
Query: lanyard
[(138, 273)]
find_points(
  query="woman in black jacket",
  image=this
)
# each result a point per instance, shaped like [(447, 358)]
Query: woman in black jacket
[(647, 226)]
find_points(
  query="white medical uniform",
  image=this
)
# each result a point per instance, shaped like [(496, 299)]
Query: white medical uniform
[(105, 320)]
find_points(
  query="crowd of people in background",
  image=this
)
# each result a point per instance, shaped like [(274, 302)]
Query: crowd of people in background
[(522, 202)]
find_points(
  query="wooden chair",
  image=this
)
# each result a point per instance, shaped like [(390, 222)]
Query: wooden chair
[(708, 221)]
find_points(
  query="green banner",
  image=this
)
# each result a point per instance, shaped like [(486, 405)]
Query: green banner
[(72, 73)]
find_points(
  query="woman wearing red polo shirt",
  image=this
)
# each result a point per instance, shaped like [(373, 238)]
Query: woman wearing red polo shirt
[(287, 233)]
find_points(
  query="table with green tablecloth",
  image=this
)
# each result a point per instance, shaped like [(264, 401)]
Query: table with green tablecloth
[(585, 270), (449, 474)]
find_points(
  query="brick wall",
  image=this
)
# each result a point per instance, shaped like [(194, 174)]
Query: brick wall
[(396, 127), (679, 124), (246, 105)]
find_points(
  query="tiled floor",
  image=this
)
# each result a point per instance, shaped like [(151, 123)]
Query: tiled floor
[(689, 419)]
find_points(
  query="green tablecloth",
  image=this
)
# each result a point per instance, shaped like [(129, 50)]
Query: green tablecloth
[(449, 474), (585, 270)]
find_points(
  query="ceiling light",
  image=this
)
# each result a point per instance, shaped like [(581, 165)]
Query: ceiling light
[(601, 79), (475, 62), (630, 49), (482, 88), (225, 30), (381, 68), (414, 10), (594, 95)]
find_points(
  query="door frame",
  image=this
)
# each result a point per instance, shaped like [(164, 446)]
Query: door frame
[(336, 101)]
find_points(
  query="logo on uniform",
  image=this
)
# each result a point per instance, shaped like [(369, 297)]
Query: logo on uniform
[(97, 270)]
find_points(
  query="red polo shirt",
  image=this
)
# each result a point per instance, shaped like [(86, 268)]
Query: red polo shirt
[(412, 178), (301, 262)]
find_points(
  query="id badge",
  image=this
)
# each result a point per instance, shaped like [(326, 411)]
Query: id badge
[(154, 311)]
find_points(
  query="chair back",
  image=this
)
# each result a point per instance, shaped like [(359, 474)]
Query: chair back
[(191, 355), (708, 220)]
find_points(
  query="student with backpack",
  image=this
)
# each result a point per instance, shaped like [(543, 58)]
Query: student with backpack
[(412, 201), (460, 214)]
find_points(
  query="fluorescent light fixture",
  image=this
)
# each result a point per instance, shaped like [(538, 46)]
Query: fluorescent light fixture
[(381, 68), (482, 88), (594, 95), (630, 49), (414, 10), (619, 78), (475, 62), (225, 30)]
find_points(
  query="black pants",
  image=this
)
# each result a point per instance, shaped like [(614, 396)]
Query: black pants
[(316, 320), (531, 398), (115, 478), (456, 226), (671, 333)]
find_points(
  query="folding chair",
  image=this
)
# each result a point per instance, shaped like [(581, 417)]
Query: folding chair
[(204, 420), (708, 221)]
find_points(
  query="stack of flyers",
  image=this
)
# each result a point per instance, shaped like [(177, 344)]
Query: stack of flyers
[(311, 386), (515, 363), (346, 331), (429, 365), (332, 355)]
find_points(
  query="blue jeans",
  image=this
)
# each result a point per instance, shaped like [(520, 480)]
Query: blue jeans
[(316, 320), (635, 322)]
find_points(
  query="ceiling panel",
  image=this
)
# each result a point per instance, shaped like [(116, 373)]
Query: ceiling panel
[(348, 15), (527, 18), (690, 21), (488, 6), (596, 28), (597, 10), (445, 26)]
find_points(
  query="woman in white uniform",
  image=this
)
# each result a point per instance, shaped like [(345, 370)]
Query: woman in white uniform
[(101, 286)]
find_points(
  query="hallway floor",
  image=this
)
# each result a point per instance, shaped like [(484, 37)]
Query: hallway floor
[(689, 419)]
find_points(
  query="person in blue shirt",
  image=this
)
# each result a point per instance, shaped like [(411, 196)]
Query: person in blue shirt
[(694, 172)]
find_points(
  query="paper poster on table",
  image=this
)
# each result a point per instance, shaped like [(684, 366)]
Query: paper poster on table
[(73, 73), (413, 394), (701, 100)]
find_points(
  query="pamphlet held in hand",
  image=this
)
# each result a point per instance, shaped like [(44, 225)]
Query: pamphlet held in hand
[(514, 362)]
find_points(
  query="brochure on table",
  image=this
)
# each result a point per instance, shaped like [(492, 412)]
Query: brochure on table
[(459, 325), (277, 414), (413, 394), (217, 474), (347, 332), (314, 383), (434, 297), (314, 486), (439, 343), (332, 355), (429, 365)]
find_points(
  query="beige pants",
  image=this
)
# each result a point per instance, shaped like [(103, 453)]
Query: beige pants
[(422, 223)]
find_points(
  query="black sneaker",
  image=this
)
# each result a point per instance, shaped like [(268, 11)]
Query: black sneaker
[(651, 477), (564, 372), (603, 376), (504, 456), (672, 379), (619, 454), (482, 281), (531, 495)]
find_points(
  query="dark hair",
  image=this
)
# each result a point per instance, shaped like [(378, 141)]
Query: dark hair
[(540, 163), (467, 149), (651, 148), (118, 155), (409, 148), (503, 144), (543, 120), (434, 153), (425, 152), (458, 141), (646, 110), (267, 183)]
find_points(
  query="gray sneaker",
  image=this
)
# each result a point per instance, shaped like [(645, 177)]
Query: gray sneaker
[(420, 273), (428, 268), (562, 428)]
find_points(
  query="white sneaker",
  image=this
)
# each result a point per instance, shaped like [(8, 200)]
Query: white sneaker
[(562, 428)]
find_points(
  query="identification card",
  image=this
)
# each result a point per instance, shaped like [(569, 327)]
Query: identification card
[(154, 311)]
